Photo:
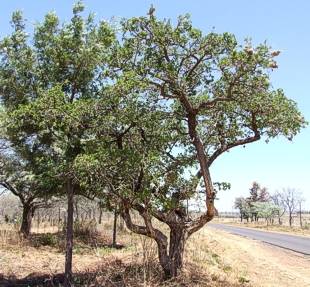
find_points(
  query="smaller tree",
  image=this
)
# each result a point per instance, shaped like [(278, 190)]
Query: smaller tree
[(254, 192), (244, 208), (33, 192), (290, 198), (266, 210), (247, 206), (257, 194), (263, 195), (276, 199)]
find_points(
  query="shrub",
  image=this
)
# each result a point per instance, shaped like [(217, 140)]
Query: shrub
[(86, 230), (47, 239)]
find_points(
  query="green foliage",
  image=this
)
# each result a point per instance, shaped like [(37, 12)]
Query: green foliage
[(46, 239), (123, 116), (50, 88), (258, 204), (180, 60), (265, 210)]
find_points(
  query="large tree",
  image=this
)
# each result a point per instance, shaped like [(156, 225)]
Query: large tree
[(176, 101), (48, 89), (214, 95)]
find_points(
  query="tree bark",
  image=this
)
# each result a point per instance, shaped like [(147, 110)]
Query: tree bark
[(69, 236), (100, 215), (121, 224), (164, 260), (176, 250), (59, 216), (300, 220), (38, 218), (290, 218), (28, 212), (77, 214), (114, 228)]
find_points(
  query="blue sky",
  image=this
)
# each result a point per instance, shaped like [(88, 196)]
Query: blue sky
[(285, 25)]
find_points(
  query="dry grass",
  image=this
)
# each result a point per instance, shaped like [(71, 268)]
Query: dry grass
[(212, 258), (40, 259)]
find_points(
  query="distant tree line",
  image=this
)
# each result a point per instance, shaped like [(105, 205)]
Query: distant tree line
[(260, 204)]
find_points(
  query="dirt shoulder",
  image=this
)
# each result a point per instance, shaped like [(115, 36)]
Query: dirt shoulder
[(262, 264)]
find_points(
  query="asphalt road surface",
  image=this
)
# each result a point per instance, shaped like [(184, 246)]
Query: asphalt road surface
[(295, 243)]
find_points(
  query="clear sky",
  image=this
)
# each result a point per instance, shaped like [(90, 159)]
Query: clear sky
[(284, 24)]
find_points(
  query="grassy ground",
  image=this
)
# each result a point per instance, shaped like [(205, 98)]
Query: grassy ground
[(39, 261), (212, 258)]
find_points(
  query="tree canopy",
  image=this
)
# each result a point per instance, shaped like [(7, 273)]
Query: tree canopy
[(138, 118)]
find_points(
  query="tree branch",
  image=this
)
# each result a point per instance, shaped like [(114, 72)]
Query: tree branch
[(244, 141), (139, 229), (200, 222), (9, 187)]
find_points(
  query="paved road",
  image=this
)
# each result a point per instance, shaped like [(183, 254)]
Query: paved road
[(295, 243)]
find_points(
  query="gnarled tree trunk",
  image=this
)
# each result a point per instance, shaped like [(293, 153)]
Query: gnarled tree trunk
[(172, 261), (176, 250), (28, 212), (170, 255)]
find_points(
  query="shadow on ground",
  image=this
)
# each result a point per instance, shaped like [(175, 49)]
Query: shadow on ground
[(48, 280), (119, 274), (112, 274)]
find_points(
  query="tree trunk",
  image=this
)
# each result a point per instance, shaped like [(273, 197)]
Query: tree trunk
[(59, 216), (77, 214), (176, 250), (300, 220), (100, 215), (114, 229), (28, 212), (290, 219), (121, 224), (173, 262), (69, 237), (94, 215), (164, 259), (38, 219)]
